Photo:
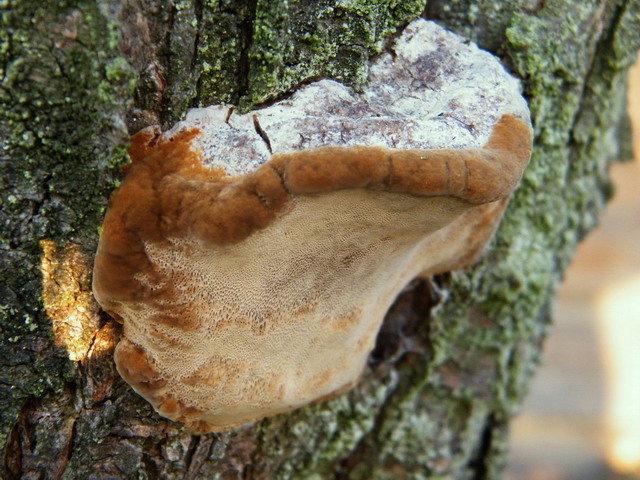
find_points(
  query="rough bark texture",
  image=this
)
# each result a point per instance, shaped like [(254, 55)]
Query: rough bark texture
[(456, 352)]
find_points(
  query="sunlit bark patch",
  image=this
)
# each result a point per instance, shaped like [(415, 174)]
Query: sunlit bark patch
[(67, 298)]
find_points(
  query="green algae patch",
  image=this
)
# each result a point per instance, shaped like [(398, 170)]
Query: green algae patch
[(296, 41)]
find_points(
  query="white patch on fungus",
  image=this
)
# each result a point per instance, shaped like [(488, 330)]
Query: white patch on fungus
[(252, 257)]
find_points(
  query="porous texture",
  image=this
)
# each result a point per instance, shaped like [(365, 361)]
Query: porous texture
[(250, 288)]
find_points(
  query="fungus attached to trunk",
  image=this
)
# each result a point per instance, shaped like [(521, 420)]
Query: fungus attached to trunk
[(252, 257)]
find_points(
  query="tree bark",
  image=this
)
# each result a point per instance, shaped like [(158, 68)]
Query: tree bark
[(456, 352)]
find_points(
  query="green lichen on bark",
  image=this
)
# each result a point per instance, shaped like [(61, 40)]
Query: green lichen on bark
[(63, 88), (263, 49), (482, 21), (298, 40), (225, 36)]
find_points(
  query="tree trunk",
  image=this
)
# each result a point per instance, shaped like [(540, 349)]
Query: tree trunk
[(456, 353)]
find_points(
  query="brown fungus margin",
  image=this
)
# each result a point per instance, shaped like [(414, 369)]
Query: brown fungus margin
[(167, 195)]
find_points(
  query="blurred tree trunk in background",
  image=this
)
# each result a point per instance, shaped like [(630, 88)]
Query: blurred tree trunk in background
[(456, 352)]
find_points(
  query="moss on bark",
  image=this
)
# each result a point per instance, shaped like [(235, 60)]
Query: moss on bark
[(298, 40)]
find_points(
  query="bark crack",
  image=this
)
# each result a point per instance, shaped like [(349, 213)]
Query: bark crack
[(246, 39), (602, 44), (199, 449), (479, 463), (197, 10), (13, 454), (65, 455)]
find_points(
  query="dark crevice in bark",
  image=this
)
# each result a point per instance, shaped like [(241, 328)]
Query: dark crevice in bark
[(199, 456), (198, 10), (13, 455), (66, 453), (103, 318), (596, 65), (191, 450), (479, 464), (167, 62), (162, 104), (407, 318), (150, 467), (26, 434), (246, 39), (22, 442), (599, 70)]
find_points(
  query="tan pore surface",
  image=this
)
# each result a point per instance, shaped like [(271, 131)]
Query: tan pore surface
[(249, 296)]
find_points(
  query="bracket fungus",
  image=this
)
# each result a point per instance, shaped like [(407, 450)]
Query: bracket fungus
[(252, 258)]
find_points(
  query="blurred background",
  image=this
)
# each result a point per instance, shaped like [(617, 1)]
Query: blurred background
[(581, 420)]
